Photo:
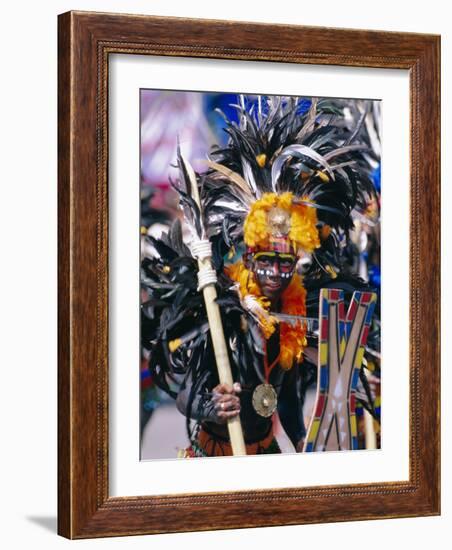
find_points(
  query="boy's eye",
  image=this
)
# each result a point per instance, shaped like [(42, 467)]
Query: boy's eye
[(265, 259)]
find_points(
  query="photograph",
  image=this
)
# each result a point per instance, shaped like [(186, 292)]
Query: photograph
[(260, 274)]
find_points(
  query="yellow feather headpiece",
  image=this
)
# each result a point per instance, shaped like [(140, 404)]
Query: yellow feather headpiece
[(279, 216), (275, 222)]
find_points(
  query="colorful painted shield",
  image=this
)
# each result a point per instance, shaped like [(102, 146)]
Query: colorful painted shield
[(342, 340)]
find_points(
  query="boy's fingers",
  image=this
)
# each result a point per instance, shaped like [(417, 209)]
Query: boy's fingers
[(222, 388), (226, 404), (226, 388)]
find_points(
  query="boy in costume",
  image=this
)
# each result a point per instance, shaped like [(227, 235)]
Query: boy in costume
[(279, 197)]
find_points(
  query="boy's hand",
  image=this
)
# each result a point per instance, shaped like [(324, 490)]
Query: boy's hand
[(226, 401)]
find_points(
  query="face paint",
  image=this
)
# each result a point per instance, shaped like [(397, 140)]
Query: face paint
[(274, 272)]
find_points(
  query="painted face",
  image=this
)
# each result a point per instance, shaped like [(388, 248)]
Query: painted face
[(273, 272)]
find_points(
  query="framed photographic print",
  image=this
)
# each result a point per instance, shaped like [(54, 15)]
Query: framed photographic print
[(248, 275)]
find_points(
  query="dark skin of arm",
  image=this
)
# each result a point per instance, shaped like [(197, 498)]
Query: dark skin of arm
[(224, 404)]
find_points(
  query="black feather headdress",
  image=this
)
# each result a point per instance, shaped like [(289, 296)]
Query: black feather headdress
[(318, 150)]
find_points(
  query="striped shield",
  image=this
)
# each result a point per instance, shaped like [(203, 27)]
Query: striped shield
[(342, 339)]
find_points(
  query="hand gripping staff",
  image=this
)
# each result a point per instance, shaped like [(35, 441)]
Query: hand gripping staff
[(202, 251)]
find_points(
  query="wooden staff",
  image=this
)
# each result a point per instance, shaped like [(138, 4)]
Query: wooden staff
[(216, 331)]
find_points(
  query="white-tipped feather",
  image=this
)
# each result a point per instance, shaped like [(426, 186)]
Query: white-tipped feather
[(343, 150), (308, 126), (235, 178), (297, 151), (249, 177), (194, 186)]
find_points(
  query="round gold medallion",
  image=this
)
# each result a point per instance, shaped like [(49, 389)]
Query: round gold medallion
[(265, 400)]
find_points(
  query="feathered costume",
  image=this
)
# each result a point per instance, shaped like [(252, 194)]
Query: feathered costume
[(289, 182)]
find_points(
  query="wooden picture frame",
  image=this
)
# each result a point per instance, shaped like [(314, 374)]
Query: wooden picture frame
[(85, 42)]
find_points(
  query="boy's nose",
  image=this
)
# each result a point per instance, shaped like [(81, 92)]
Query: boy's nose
[(275, 269)]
